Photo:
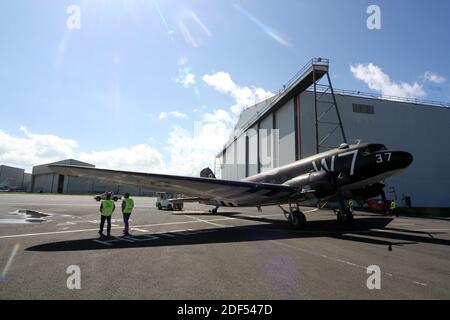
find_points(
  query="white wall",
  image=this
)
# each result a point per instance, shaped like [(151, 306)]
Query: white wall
[(265, 143), (285, 122), (253, 151)]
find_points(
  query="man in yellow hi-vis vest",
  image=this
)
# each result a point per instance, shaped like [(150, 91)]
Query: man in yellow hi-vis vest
[(393, 208), (107, 208), (127, 208)]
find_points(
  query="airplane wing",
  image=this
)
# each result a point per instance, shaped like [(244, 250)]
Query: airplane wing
[(227, 192)]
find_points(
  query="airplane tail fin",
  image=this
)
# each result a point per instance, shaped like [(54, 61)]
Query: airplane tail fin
[(207, 173)]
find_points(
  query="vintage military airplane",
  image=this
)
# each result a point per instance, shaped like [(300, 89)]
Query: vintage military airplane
[(347, 172)]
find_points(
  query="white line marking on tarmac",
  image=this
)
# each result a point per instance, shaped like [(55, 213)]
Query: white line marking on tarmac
[(431, 230), (90, 230), (138, 226), (10, 260), (50, 204), (261, 216), (309, 211), (139, 230), (421, 284), (205, 221)]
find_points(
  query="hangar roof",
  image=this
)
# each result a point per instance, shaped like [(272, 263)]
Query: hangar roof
[(42, 169)]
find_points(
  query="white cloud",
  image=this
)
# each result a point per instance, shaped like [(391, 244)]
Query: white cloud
[(244, 96), (220, 116), (379, 81), (176, 114), (34, 149), (185, 76), (190, 152), (141, 158), (31, 149), (187, 79), (433, 77)]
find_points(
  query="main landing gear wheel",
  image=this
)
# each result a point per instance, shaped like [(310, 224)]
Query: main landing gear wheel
[(297, 219)]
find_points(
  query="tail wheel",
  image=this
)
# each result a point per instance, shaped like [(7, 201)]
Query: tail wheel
[(159, 206), (169, 207), (298, 219)]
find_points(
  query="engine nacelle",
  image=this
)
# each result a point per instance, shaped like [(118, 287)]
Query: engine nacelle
[(322, 182)]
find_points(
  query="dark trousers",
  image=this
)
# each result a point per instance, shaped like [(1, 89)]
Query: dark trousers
[(126, 217), (102, 224)]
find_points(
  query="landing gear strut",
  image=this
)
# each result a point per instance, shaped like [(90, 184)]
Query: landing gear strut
[(344, 214), (214, 211), (295, 217)]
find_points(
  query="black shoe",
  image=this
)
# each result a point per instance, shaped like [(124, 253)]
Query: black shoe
[(101, 235), (126, 234)]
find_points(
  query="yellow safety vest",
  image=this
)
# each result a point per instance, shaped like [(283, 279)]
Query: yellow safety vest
[(107, 208), (129, 205), (393, 205)]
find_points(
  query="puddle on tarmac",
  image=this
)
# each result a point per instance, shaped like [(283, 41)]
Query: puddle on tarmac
[(24, 217)]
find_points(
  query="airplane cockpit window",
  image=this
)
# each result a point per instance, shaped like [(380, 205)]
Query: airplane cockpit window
[(376, 147), (372, 148)]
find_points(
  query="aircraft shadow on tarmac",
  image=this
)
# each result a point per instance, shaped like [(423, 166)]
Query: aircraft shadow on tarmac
[(372, 230)]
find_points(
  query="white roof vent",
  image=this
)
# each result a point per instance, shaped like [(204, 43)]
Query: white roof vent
[(344, 146)]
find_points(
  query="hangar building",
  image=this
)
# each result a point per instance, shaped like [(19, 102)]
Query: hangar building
[(46, 181), (306, 104), (14, 178)]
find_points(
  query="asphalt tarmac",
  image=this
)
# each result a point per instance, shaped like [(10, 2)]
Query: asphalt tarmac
[(237, 254)]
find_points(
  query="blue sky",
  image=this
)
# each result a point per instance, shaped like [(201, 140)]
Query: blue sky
[(125, 90)]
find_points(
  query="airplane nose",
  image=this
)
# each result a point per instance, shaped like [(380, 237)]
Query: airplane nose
[(403, 159)]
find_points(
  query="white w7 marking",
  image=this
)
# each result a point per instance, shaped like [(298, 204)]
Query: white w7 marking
[(354, 153), (324, 165)]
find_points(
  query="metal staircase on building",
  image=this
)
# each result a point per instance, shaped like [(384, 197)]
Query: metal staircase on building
[(323, 107)]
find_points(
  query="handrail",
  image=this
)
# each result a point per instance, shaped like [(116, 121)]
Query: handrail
[(286, 87), (389, 97)]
